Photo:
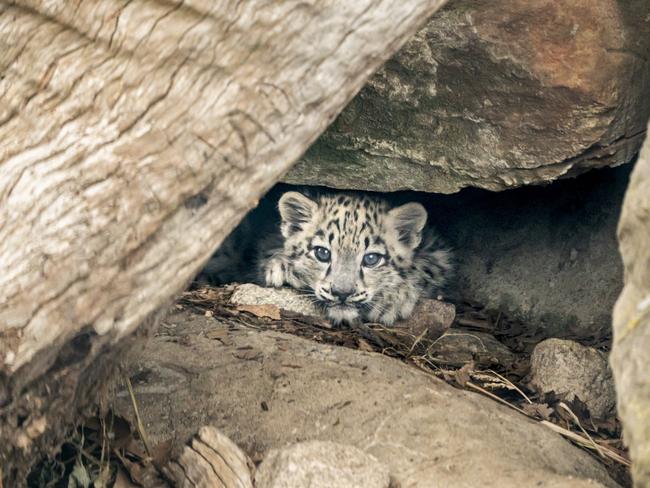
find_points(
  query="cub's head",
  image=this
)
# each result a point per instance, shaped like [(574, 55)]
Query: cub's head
[(352, 254)]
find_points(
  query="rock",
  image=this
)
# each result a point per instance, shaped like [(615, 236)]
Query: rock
[(457, 348), (414, 335), (287, 390), (571, 369), (630, 354), (430, 318), (544, 256), (318, 464), (285, 298), (495, 98)]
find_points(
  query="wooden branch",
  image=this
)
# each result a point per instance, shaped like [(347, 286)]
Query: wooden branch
[(211, 459), (135, 135)]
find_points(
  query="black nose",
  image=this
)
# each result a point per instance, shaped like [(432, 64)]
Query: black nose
[(342, 295)]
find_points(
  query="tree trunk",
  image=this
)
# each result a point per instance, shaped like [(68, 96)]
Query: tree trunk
[(629, 358), (135, 135)]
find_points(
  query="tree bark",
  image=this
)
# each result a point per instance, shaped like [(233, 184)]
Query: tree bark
[(135, 135), (211, 459), (631, 320)]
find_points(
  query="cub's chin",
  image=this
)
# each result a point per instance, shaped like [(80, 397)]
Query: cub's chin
[(342, 314)]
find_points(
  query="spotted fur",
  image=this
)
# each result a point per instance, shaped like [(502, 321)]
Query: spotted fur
[(412, 263)]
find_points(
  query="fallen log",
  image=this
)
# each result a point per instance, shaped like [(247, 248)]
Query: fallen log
[(135, 135)]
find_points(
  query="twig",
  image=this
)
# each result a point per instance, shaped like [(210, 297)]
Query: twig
[(141, 431), (479, 324), (584, 442), (104, 440), (90, 457), (496, 322), (577, 422), (105, 466), (417, 340), (587, 442), (511, 384), (368, 334), (471, 385)]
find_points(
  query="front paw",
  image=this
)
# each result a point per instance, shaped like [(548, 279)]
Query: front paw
[(275, 272)]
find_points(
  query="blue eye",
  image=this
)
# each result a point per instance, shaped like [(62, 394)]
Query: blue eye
[(322, 254), (371, 259)]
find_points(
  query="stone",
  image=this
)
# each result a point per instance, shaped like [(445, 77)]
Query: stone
[(630, 352), (287, 389), (319, 464), (285, 298), (430, 318), (546, 257), (457, 348), (572, 370), (523, 94)]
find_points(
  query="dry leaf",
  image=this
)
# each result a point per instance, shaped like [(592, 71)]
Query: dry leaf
[(218, 333), (248, 354), (541, 410), (122, 480), (134, 470), (162, 453), (121, 430), (265, 310), (462, 376), (364, 345)]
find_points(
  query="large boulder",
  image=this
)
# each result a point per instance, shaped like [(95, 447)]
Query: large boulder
[(524, 93), (631, 351), (544, 256), (266, 390)]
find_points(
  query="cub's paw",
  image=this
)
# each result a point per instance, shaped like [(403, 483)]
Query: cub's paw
[(275, 272)]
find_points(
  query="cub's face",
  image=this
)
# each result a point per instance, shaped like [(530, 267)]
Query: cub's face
[(350, 254)]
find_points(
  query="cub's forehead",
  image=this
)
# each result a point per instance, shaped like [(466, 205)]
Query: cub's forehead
[(351, 210), (350, 222)]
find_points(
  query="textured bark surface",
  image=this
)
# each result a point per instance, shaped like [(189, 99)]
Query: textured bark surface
[(629, 358), (135, 134), (524, 93), (212, 460)]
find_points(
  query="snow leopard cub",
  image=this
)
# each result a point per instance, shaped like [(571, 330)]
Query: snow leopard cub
[(357, 257)]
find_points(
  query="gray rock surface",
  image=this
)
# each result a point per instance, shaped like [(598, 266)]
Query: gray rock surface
[(546, 256), (285, 298), (571, 369), (495, 98), (265, 390), (318, 464), (631, 351)]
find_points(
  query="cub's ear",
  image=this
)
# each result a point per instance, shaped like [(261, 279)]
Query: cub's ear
[(296, 210), (408, 221)]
